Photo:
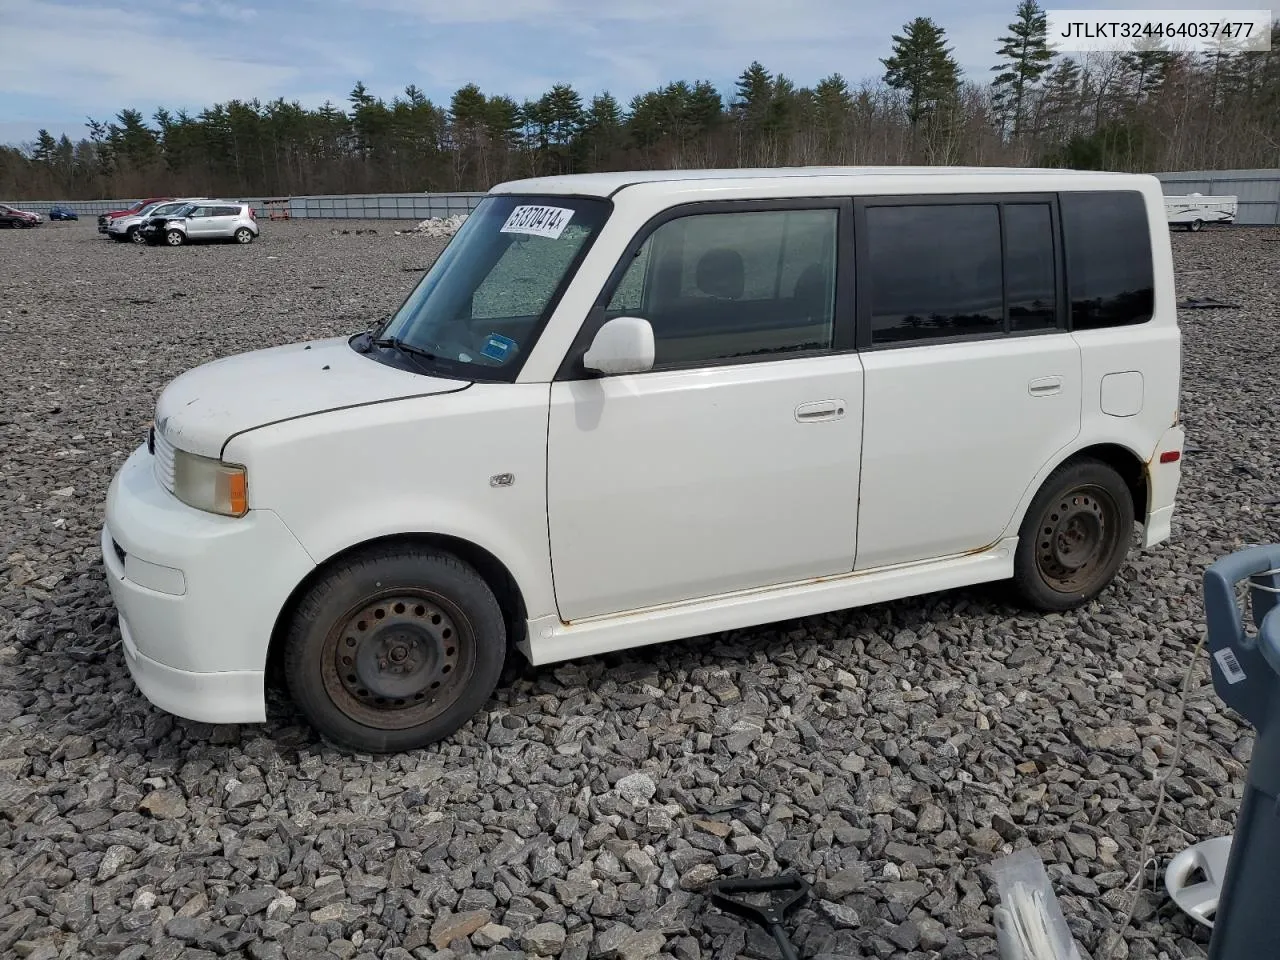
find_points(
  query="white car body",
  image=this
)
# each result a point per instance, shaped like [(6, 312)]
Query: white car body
[(120, 226), (670, 503)]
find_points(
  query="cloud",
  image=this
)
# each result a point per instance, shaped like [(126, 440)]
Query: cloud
[(109, 55), (218, 9)]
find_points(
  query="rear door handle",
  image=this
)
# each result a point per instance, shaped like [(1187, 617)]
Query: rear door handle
[(820, 410), (1045, 386)]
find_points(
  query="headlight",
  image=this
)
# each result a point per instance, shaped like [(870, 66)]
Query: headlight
[(210, 485)]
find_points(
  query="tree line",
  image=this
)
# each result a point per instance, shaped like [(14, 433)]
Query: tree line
[(1149, 109)]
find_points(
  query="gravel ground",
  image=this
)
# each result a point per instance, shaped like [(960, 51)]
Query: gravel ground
[(888, 753)]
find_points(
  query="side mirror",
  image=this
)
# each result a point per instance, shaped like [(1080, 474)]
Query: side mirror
[(622, 345)]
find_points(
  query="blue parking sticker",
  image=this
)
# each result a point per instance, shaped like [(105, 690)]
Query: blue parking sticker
[(496, 346)]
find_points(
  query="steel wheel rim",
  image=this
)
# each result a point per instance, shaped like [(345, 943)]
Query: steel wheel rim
[(243, 236), (137, 237), (398, 660), (1077, 539), (174, 238)]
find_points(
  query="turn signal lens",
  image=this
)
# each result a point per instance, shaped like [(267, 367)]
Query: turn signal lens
[(211, 485)]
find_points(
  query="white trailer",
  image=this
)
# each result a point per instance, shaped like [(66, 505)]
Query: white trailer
[(1195, 210)]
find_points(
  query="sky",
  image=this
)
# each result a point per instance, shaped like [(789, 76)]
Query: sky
[(65, 60)]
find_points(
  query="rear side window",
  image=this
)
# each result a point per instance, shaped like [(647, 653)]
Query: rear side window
[(938, 270), (1110, 276), (227, 212)]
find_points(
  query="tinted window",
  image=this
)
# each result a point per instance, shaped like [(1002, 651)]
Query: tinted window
[(1029, 266), (934, 271), (723, 286), (1109, 271), (226, 211)]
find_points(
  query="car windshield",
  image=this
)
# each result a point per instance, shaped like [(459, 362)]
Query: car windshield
[(483, 303), (181, 211)]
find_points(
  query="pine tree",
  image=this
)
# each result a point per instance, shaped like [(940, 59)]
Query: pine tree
[(1061, 106), (923, 66), (1144, 67), (754, 94), (45, 149), (1027, 59)]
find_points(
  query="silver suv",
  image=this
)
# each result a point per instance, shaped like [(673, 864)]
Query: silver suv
[(123, 229), (205, 220)]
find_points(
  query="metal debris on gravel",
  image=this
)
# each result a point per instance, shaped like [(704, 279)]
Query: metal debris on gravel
[(887, 753)]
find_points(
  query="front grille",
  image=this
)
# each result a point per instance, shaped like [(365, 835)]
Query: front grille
[(164, 461)]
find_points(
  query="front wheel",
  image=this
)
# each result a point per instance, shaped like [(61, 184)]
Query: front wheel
[(175, 238), (135, 236), (1195, 226), (1074, 537), (244, 235), (395, 649)]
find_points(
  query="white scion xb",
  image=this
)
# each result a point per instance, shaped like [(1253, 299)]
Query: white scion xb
[(625, 408)]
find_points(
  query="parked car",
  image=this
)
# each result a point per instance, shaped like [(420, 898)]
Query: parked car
[(13, 217), (206, 220), (706, 399), (62, 212), (128, 228), (105, 218)]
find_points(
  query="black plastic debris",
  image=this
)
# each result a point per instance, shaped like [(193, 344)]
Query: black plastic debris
[(1206, 303)]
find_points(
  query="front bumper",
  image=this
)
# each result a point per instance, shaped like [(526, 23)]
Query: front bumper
[(197, 595)]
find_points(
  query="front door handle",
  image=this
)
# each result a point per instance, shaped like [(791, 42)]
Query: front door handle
[(1045, 386), (820, 410)]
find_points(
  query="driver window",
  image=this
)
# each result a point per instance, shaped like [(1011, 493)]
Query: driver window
[(735, 286)]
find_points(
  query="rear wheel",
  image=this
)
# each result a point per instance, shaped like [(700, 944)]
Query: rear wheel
[(1074, 537), (175, 238), (244, 235), (1195, 226), (395, 649)]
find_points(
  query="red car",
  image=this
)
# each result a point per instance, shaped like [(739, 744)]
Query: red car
[(13, 217), (105, 218)]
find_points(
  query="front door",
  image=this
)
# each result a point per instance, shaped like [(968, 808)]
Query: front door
[(733, 464), (200, 222), (973, 382)]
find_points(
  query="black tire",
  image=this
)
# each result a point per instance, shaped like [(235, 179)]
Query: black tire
[(243, 235), (1075, 536), (175, 238), (1195, 225), (394, 649), (134, 235)]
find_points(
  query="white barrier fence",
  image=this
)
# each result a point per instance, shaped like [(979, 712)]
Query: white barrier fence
[(372, 206), (1258, 190)]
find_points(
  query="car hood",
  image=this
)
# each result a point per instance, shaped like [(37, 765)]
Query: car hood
[(203, 408)]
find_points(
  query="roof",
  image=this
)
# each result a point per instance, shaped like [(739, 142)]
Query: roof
[(607, 184)]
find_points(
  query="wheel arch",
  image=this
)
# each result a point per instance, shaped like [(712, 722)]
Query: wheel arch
[(1122, 458), (492, 570)]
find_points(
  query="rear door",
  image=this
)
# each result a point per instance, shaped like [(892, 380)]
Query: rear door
[(224, 221), (973, 381)]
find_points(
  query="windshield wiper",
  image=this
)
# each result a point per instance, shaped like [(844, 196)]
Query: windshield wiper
[(408, 349)]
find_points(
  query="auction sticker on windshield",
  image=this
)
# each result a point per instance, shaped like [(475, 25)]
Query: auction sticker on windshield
[(538, 221)]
